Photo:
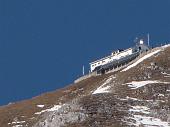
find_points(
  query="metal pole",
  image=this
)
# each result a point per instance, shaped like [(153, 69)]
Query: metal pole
[(83, 69), (148, 39)]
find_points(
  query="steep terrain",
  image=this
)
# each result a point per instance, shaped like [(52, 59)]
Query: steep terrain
[(138, 95)]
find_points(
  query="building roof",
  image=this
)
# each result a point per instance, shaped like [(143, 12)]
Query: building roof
[(108, 56)]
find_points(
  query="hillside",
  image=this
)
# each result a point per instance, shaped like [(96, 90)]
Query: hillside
[(138, 95)]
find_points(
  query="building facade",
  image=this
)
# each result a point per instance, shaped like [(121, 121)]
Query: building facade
[(118, 57)]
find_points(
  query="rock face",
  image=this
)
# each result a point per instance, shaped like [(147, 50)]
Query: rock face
[(138, 95), (67, 113)]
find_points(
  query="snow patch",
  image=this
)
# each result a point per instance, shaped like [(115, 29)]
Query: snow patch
[(168, 90), (132, 98), (165, 46), (54, 108), (140, 109), (16, 123), (149, 121), (40, 106), (18, 126), (103, 88), (160, 95), (141, 59), (136, 99), (164, 73), (144, 119), (138, 84)]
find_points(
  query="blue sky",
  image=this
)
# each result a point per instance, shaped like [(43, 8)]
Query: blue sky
[(44, 44)]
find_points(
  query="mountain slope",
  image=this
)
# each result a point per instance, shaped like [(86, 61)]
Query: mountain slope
[(138, 95)]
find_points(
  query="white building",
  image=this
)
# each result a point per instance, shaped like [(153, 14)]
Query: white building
[(117, 55), (114, 56)]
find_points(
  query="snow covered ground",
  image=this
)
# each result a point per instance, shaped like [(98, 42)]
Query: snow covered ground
[(103, 88), (54, 108), (146, 57), (138, 84), (16, 123), (166, 75), (18, 126), (140, 115), (139, 109), (149, 121), (165, 46), (141, 59), (40, 106)]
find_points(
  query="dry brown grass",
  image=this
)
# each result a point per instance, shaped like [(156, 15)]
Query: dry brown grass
[(83, 89)]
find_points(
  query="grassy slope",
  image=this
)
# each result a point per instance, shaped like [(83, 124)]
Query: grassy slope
[(27, 108)]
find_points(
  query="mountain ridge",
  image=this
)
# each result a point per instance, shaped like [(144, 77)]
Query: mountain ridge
[(137, 96)]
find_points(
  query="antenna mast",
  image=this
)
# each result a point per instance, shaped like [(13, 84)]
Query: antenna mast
[(83, 69), (148, 39)]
